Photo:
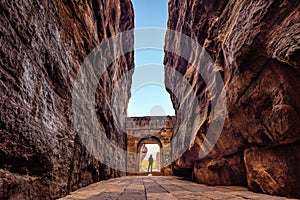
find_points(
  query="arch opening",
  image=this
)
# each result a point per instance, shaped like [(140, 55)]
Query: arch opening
[(149, 147), (147, 152)]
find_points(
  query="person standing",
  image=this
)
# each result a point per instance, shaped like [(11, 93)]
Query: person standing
[(150, 161)]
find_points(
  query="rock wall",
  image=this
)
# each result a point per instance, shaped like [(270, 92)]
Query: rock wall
[(255, 47), (42, 46)]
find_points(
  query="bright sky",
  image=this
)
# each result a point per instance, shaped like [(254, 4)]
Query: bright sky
[(150, 98), (153, 149)]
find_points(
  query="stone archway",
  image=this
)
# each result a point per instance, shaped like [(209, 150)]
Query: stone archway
[(144, 141), (148, 130)]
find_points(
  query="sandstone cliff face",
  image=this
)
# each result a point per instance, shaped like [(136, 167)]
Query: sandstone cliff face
[(42, 45), (255, 46)]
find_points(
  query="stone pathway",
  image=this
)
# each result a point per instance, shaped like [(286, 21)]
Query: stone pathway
[(161, 188)]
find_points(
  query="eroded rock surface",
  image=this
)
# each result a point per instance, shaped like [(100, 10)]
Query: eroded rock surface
[(42, 46), (255, 46)]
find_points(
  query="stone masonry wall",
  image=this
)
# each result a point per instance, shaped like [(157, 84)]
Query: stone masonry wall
[(149, 130)]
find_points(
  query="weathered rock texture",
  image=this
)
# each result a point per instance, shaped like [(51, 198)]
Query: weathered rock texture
[(255, 45), (42, 45)]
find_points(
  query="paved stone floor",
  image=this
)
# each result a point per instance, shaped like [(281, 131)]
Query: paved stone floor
[(161, 188)]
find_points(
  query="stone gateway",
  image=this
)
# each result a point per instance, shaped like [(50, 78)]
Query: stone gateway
[(148, 130)]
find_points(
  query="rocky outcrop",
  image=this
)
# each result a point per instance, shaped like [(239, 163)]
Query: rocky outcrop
[(43, 44), (255, 47)]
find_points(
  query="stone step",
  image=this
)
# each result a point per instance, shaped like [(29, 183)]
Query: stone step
[(145, 174)]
